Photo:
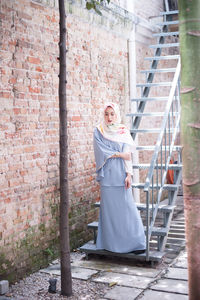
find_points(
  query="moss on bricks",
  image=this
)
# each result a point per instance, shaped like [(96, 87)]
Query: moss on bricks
[(5, 265), (39, 247)]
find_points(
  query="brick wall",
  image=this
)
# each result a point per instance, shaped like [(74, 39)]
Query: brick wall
[(97, 65), (29, 184), (29, 133)]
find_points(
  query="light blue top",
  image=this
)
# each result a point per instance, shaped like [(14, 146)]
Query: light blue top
[(110, 171)]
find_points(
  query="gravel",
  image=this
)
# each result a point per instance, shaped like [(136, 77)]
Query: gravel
[(35, 287)]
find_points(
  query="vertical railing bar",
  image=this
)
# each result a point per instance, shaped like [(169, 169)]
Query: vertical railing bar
[(166, 5), (152, 199), (178, 94), (157, 181), (176, 105), (169, 143), (165, 147), (178, 100), (147, 225), (172, 117), (161, 158)]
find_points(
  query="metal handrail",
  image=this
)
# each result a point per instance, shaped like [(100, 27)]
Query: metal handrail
[(163, 127), (149, 183)]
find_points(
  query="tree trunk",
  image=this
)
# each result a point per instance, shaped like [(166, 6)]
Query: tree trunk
[(66, 280), (189, 17)]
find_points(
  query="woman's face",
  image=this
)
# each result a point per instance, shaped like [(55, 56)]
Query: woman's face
[(109, 116)]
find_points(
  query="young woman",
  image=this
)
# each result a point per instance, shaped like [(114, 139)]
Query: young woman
[(120, 227)]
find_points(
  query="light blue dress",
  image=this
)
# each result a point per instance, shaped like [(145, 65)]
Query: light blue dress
[(120, 226)]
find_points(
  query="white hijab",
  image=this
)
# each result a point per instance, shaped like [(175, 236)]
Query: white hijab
[(116, 132)]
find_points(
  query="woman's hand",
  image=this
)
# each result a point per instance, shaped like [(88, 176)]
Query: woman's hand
[(128, 181), (124, 155)]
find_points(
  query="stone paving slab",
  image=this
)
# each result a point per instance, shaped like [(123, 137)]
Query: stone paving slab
[(181, 263), (155, 295), (177, 273), (123, 279), (118, 268), (78, 273), (84, 274), (122, 293), (52, 269), (170, 285)]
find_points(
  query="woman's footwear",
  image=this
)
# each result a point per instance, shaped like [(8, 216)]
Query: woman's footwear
[(138, 251)]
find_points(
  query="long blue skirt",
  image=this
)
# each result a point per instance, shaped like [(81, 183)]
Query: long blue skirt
[(120, 226)]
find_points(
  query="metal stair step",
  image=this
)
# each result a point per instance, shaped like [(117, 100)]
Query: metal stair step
[(169, 187), (176, 241), (176, 234), (142, 207), (177, 227), (150, 99), (90, 248), (158, 84), (138, 114), (163, 207), (170, 33), (154, 242), (178, 223), (168, 70), (168, 45), (166, 57), (152, 148), (149, 114), (150, 130), (146, 166), (156, 231), (170, 12), (168, 23)]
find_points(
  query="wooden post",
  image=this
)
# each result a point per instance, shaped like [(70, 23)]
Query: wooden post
[(189, 12), (66, 279)]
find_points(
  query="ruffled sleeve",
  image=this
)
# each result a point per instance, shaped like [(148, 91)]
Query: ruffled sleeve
[(102, 152)]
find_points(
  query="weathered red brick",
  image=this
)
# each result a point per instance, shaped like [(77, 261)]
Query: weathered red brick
[(37, 6), (33, 60), (39, 69), (5, 94), (30, 149), (76, 118), (34, 89)]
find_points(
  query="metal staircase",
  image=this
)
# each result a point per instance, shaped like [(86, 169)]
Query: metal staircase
[(156, 215)]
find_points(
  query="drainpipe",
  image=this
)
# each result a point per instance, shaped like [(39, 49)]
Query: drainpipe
[(132, 87)]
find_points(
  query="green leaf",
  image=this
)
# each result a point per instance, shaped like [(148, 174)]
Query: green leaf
[(94, 4), (89, 5), (112, 283)]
